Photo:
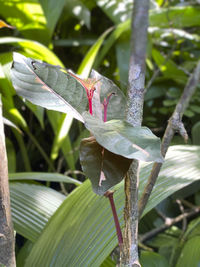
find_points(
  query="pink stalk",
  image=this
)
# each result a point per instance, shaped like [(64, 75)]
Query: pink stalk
[(105, 111), (105, 106), (109, 194), (90, 105)]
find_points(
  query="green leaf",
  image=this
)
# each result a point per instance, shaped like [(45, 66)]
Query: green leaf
[(61, 134), (11, 155), (52, 10), (117, 101), (83, 225), (152, 259), (195, 133), (77, 9), (180, 17), (28, 17), (169, 68), (118, 11), (190, 255), (37, 111), (46, 85), (114, 36), (108, 263), (119, 137), (60, 124), (32, 206), (11, 124), (42, 176), (123, 58), (88, 61), (23, 253), (104, 168), (33, 49)]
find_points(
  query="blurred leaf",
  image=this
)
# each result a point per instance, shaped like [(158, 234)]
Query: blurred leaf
[(168, 67), (130, 142), (152, 259), (77, 9), (27, 17), (37, 111), (117, 101), (84, 134), (114, 36), (189, 113), (93, 236), (163, 240), (117, 10), (6, 85), (61, 133), (195, 108), (3, 24), (196, 133), (11, 154), (88, 61), (32, 206), (11, 124), (60, 124), (123, 58), (46, 85), (155, 91), (23, 253), (42, 176), (33, 49), (179, 17), (108, 263), (193, 229), (104, 168), (190, 255), (52, 10)]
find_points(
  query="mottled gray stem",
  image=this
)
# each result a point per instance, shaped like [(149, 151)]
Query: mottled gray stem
[(129, 255), (174, 125), (7, 241)]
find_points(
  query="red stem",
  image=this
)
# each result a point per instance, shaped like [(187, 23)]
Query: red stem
[(105, 113), (109, 194), (90, 105)]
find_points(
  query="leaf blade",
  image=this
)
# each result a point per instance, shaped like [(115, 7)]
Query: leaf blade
[(45, 85)]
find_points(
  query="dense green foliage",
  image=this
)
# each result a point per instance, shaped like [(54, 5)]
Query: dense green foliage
[(61, 216)]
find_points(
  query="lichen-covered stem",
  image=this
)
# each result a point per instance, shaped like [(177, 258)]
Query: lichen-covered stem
[(129, 255)]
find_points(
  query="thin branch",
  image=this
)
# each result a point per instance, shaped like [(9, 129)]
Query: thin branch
[(174, 125), (182, 210), (136, 81), (169, 222)]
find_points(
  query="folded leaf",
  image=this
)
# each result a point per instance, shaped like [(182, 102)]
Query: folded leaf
[(121, 138), (47, 86), (101, 166)]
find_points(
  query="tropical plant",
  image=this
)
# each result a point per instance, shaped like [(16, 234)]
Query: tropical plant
[(76, 228)]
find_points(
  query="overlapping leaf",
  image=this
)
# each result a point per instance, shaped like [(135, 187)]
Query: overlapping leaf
[(117, 102), (121, 138), (104, 168), (83, 225), (46, 85)]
